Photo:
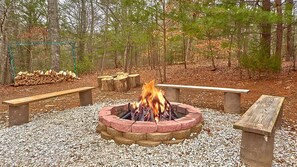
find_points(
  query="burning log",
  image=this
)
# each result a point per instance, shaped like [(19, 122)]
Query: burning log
[(153, 106), (107, 84)]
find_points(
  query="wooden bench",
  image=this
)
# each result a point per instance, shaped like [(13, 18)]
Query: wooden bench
[(258, 126), (231, 96), (19, 108)]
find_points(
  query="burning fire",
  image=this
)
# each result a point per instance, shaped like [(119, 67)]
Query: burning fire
[(152, 99)]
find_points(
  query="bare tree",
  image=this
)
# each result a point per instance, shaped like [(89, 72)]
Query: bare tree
[(5, 6), (164, 30), (82, 29), (54, 36), (289, 51), (266, 30), (279, 30)]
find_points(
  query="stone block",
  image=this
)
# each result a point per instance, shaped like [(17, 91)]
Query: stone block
[(196, 116), (134, 136), (147, 143), (159, 136), (100, 127), (232, 102), (121, 140), (197, 128), (113, 132), (168, 126), (18, 115), (144, 127), (170, 142), (103, 113), (186, 122), (106, 136), (172, 94), (182, 134), (85, 98), (106, 120), (122, 125), (118, 109)]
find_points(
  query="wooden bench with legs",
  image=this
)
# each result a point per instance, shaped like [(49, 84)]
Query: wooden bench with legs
[(19, 108), (231, 96), (258, 126)]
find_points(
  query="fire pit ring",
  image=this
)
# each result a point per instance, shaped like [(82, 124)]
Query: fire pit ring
[(112, 127)]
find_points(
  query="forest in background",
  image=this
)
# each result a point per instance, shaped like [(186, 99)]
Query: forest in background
[(256, 36)]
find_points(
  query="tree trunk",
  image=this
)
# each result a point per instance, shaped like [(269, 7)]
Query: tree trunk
[(82, 30), (116, 59), (105, 38), (164, 40), (29, 58), (239, 39), (211, 54), (279, 31), (126, 54), (188, 50), (130, 64), (90, 45), (289, 49), (293, 50), (53, 28), (230, 50), (266, 31), (5, 77)]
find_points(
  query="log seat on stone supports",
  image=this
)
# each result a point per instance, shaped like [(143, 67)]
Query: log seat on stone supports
[(258, 125)]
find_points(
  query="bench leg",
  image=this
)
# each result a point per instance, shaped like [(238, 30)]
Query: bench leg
[(18, 115), (85, 98), (172, 94), (232, 102), (257, 150)]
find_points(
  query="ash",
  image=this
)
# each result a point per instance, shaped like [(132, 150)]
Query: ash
[(68, 138)]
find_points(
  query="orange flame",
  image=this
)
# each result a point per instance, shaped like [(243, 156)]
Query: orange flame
[(153, 98)]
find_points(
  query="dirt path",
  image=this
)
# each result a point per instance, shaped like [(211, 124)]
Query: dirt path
[(281, 84)]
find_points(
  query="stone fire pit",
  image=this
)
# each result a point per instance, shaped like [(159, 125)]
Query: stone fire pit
[(144, 133)]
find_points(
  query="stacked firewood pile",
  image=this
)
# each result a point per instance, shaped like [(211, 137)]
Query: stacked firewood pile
[(121, 82), (40, 77)]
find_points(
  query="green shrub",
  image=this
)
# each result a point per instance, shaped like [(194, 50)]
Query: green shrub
[(85, 65), (257, 60)]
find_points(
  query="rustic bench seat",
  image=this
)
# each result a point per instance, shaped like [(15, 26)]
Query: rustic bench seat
[(231, 96), (258, 126), (19, 108)]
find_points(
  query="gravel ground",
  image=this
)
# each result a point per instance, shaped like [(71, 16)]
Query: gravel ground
[(68, 138)]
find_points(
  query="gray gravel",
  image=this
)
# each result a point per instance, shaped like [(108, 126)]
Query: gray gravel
[(68, 138)]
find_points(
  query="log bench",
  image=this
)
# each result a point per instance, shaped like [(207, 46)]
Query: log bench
[(258, 126), (231, 96), (18, 112)]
